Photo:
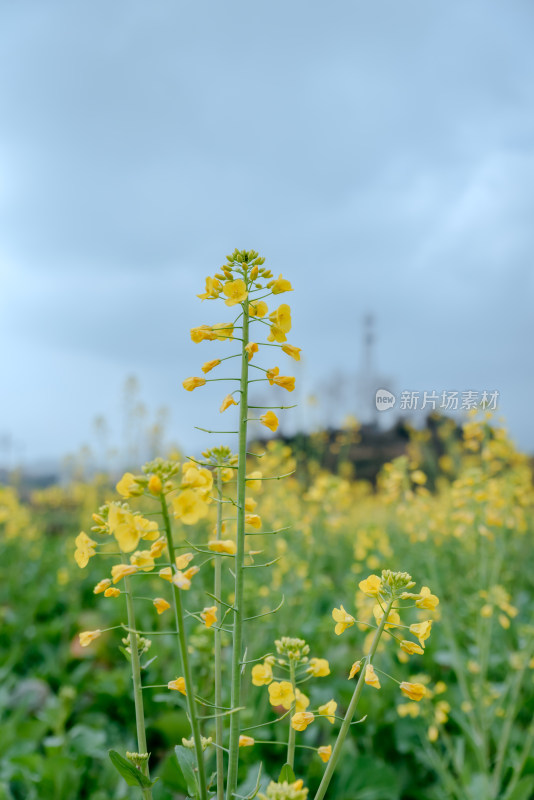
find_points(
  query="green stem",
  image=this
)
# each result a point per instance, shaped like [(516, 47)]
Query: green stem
[(351, 710), (237, 652), (217, 588), (136, 678), (180, 629), (292, 732)]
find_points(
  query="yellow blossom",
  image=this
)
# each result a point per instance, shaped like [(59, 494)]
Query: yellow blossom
[(120, 571), (181, 581), (209, 615), (254, 479), (371, 678), (213, 289), (166, 573), (280, 323), (343, 620), (411, 648), (270, 420), (324, 752), (301, 720), (197, 478), (223, 330), (371, 585), (227, 402), (101, 586), (178, 684), (235, 291), (201, 333), (421, 630), (160, 604), (271, 374), (209, 365), (193, 383), (302, 701), (189, 507), (191, 572), (281, 694), (292, 351), (128, 486), (355, 669), (88, 636), (223, 546), (415, 691), (254, 520), (85, 549), (433, 733), (111, 591), (143, 560), (408, 710), (257, 308), (262, 674), (245, 741), (155, 485), (251, 349), (285, 381), (183, 560), (328, 710), (281, 285), (426, 599), (318, 667)]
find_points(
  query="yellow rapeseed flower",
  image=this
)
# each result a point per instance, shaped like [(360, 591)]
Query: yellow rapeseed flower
[(270, 420), (227, 402), (181, 581), (292, 351), (415, 691), (222, 546), (183, 560), (154, 485), (166, 573), (101, 586), (324, 752), (411, 647), (201, 333), (281, 285), (143, 560), (160, 604), (262, 674), (223, 330), (209, 365), (235, 291), (426, 599), (189, 507), (254, 520), (209, 615), (371, 678), (318, 667), (421, 630), (281, 694), (112, 591), (257, 308), (85, 549), (158, 547), (355, 669), (371, 585), (178, 685), (245, 741), (302, 701), (328, 710), (251, 349), (301, 720), (128, 486), (89, 636), (193, 383), (120, 571), (343, 620)]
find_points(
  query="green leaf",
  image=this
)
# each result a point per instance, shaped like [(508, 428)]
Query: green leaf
[(186, 761), (131, 774), (287, 774), (524, 789)]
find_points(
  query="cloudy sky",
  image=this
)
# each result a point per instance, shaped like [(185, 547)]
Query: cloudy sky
[(379, 154)]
